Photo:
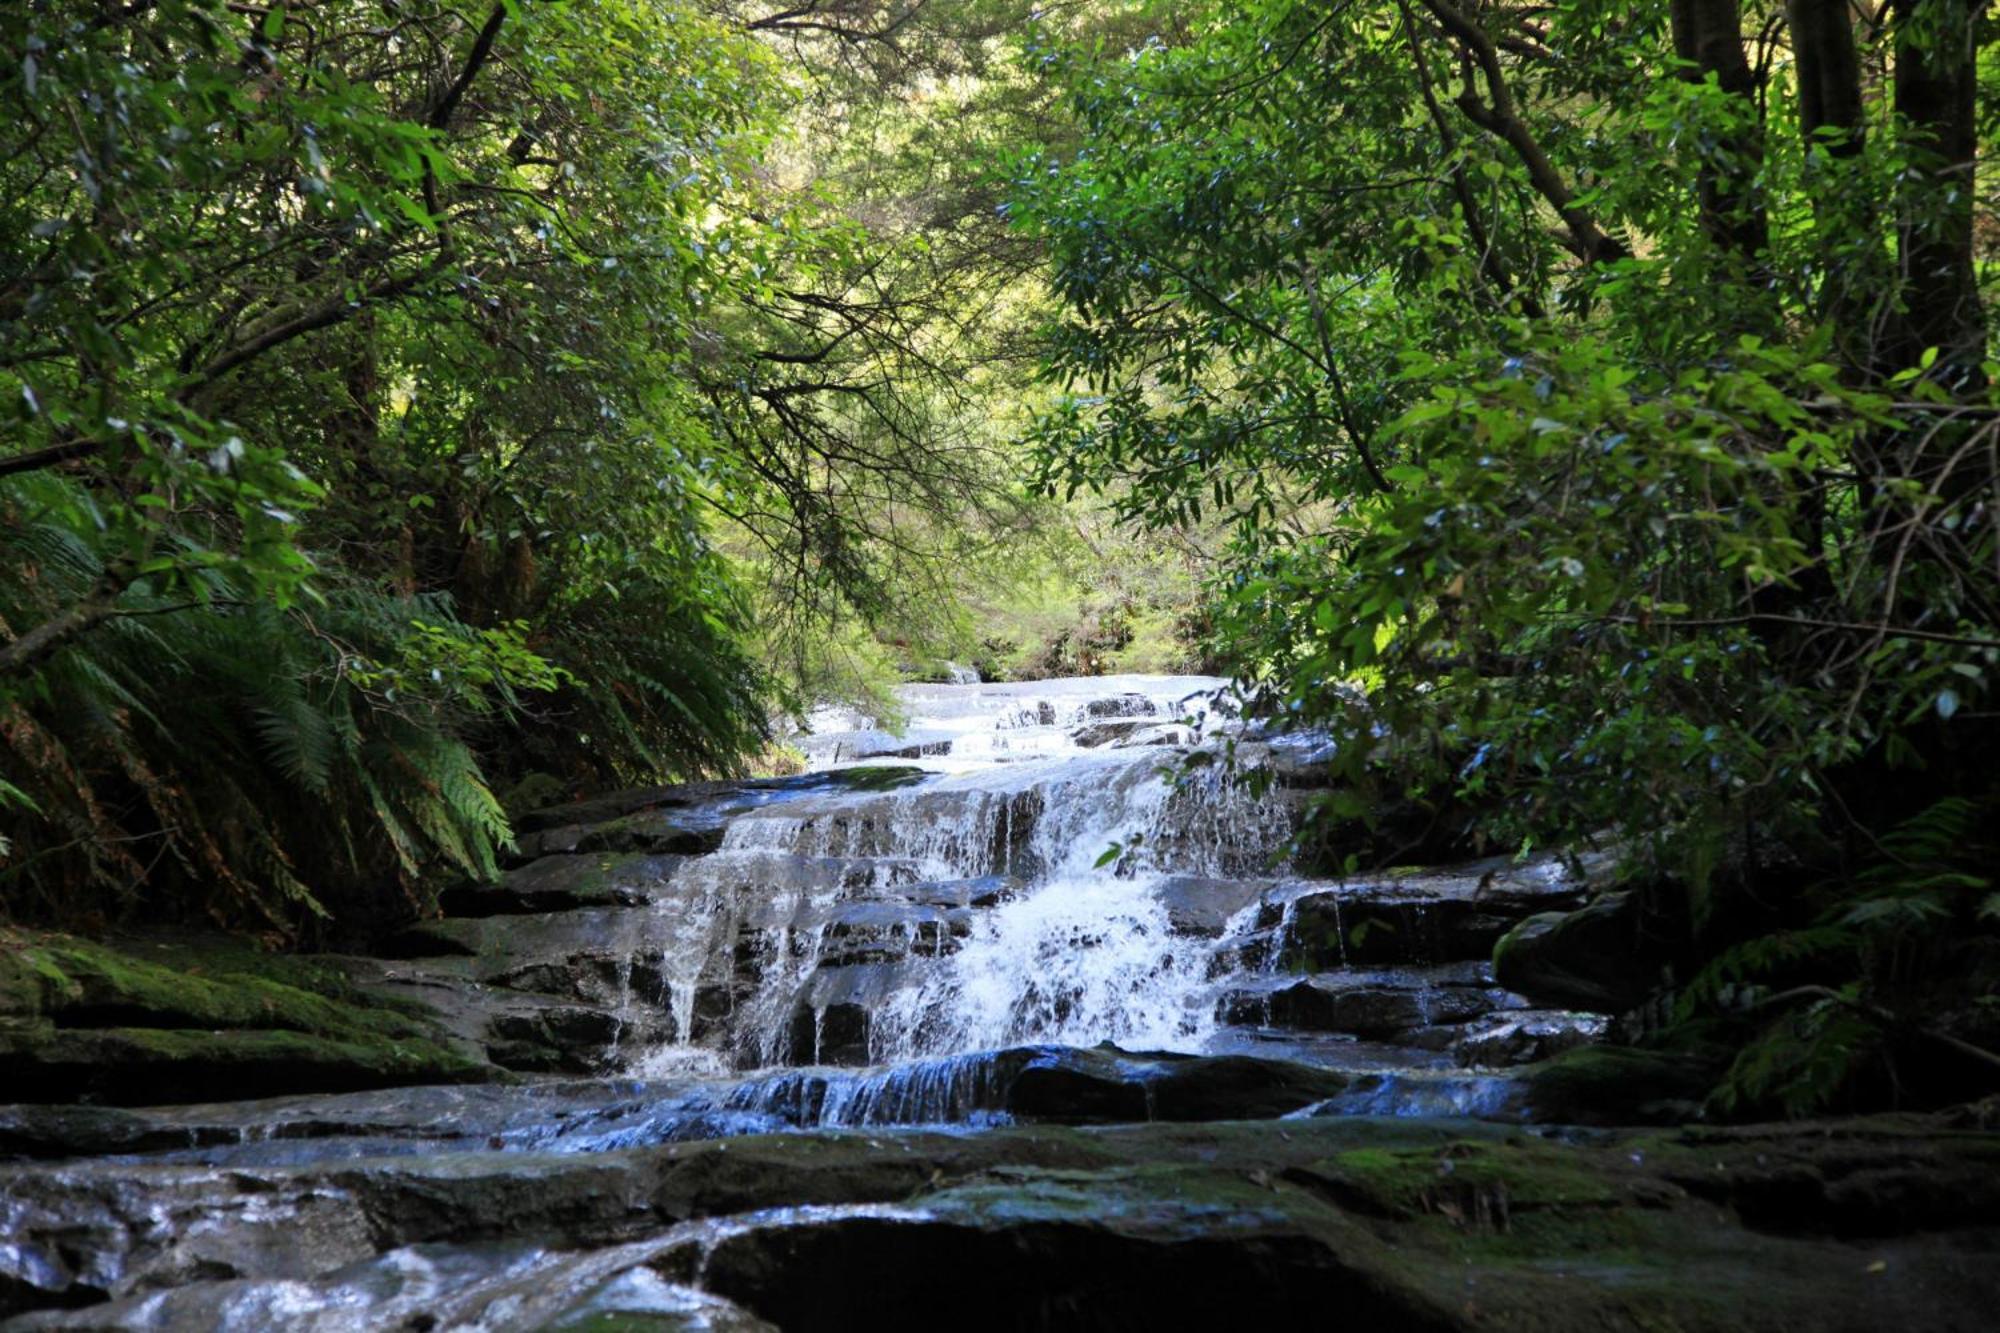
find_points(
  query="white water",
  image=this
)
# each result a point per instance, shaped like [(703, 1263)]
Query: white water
[(1081, 953)]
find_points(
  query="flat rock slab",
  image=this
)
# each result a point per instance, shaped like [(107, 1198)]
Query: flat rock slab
[(720, 799), (1400, 1224), (566, 880)]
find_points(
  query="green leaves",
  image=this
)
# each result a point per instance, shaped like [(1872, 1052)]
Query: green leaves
[(1653, 536)]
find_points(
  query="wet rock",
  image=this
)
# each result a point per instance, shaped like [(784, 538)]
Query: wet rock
[(1203, 906), (1096, 734), (687, 832), (1294, 759), (584, 954), (169, 1021), (1409, 1094), (1592, 958), (1769, 1228), (981, 892), (517, 1029), (557, 883), (834, 1034), (1039, 713), (873, 932), (980, 832), (1368, 1005), (1341, 928), (1525, 1036), (1422, 917), (843, 747), (1167, 733), (724, 798), (517, 1286), (1066, 1086), (1118, 706), (40, 1130), (689, 818)]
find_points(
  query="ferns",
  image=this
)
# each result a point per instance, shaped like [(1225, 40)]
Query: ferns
[(231, 761), (1824, 998), (251, 764)]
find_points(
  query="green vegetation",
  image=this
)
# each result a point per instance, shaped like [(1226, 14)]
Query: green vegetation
[(158, 1021), (1606, 388), (418, 414)]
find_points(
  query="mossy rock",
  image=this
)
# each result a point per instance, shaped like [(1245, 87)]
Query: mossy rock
[(876, 777), (1470, 1182), (162, 1065), (1595, 958), (1619, 1085), (202, 1020)]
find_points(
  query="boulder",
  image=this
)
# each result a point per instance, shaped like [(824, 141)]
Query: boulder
[(1524, 1036), (1117, 706), (1591, 958), (1376, 1006)]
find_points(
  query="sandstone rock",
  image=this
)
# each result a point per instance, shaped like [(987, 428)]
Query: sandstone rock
[(1591, 958), (559, 882), (1118, 706), (1095, 734), (173, 1021)]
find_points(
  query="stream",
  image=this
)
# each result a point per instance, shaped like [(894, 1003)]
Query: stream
[(1014, 999)]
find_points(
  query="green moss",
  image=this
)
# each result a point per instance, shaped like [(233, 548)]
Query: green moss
[(1492, 1180), (1603, 1084), (92, 984), (876, 777), (147, 1065), (209, 1018)]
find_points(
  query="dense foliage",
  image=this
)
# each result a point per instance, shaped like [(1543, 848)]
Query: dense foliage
[(415, 410), (1606, 388)]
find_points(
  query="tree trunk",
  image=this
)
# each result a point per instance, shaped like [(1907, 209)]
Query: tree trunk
[(1936, 89), (1832, 119), (1708, 36)]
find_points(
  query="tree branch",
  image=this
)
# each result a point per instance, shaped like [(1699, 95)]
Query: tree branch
[(1587, 240)]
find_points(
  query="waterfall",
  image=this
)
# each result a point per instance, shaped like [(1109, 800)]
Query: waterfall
[(1076, 863), (804, 921)]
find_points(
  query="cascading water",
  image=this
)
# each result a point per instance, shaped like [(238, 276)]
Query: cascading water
[(1062, 904), (1078, 946), (1053, 865)]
